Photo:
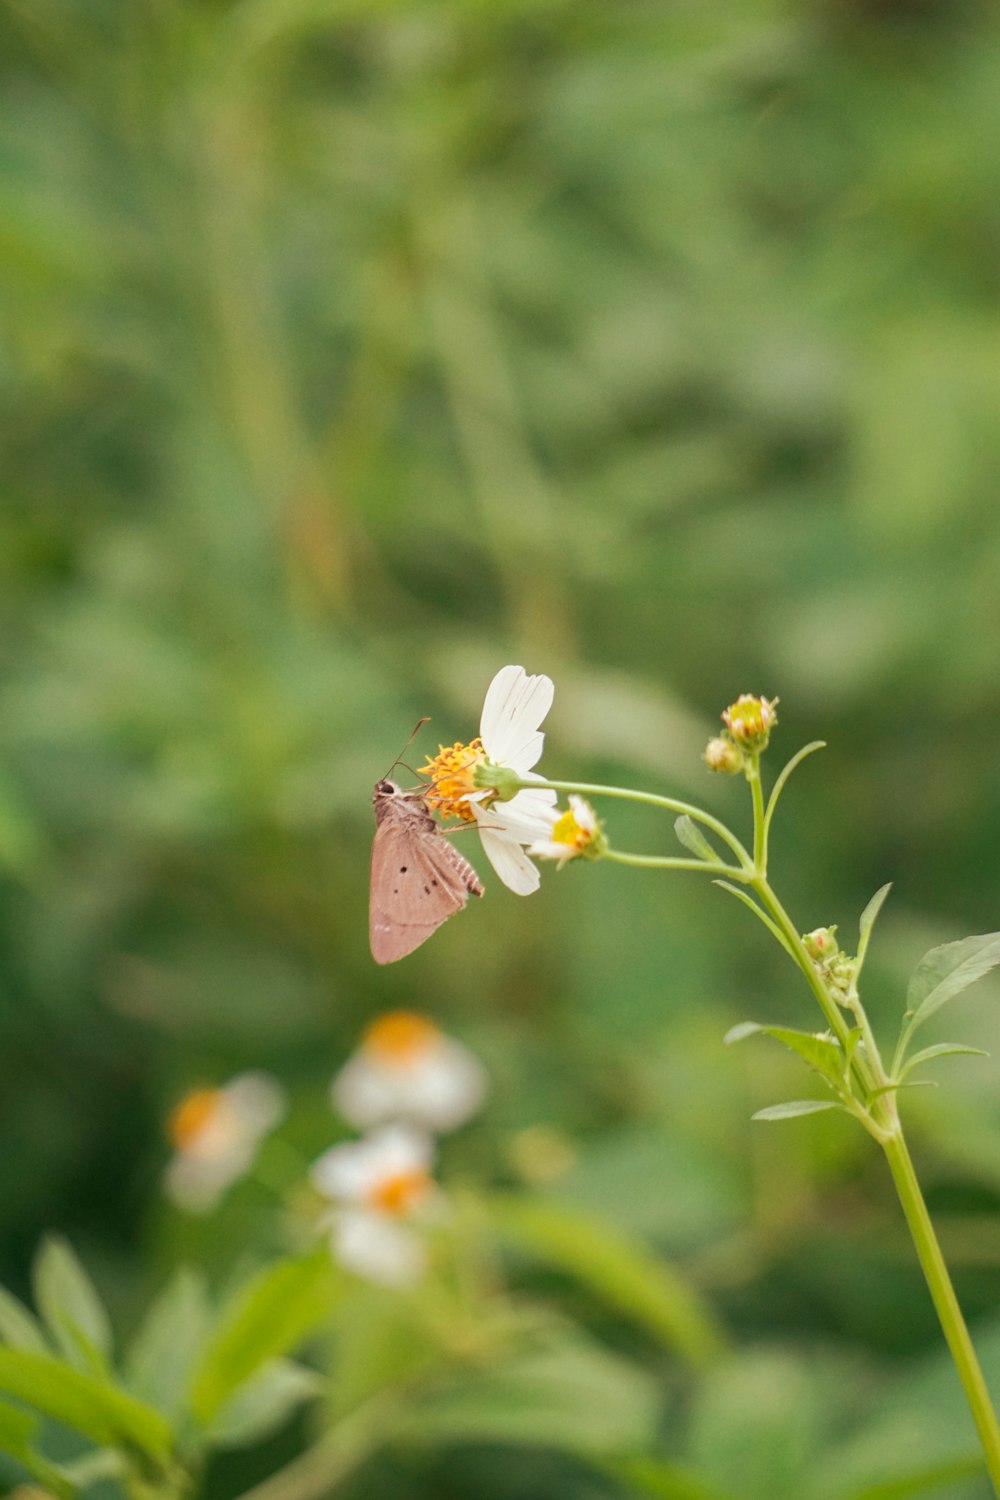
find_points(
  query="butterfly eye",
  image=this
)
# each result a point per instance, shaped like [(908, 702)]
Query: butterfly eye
[(387, 788)]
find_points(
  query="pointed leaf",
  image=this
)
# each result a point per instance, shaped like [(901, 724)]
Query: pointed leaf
[(627, 1275), (264, 1404), (795, 1107), (690, 835), (941, 1049), (821, 1053), (88, 1403), (867, 921), (161, 1356), (18, 1327), (277, 1310), (572, 1394), (17, 1431), (71, 1308), (944, 972)]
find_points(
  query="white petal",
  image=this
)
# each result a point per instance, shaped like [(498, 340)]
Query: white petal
[(510, 862), (527, 816), (376, 1246), (350, 1172), (514, 707), (258, 1100), (196, 1184), (440, 1089)]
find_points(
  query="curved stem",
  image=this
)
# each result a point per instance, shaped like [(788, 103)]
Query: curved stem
[(669, 804), (945, 1302), (669, 862)]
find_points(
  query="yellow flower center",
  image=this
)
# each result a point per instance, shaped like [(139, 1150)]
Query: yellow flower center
[(566, 830), (400, 1038), (401, 1192), (188, 1119), (451, 772)]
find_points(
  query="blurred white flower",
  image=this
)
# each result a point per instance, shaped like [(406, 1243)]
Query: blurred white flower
[(216, 1134), (406, 1069), (509, 739), (379, 1186)]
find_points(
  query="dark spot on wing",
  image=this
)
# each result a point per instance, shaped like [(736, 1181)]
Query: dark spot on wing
[(402, 869)]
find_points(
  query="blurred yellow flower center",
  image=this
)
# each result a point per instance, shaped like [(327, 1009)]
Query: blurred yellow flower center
[(188, 1119), (566, 830), (451, 772), (400, 1037), (401, 1192)]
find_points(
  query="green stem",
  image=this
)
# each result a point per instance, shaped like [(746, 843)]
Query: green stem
[(670, 862), (946, 1303), (670, 804)]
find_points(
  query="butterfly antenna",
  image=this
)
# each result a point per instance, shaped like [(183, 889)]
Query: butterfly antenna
[(409, 741)]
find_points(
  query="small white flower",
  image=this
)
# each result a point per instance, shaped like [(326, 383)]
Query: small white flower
[(216, 1133), (509, 737), (406, 1069), (572, 834), (379, 1186)]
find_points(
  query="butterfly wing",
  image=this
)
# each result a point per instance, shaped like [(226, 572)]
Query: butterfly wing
[(418, 880)]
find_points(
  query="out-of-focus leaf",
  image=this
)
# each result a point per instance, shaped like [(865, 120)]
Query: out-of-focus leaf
[(571, 1394), (18, 1327), (93, 1406), (264, 1403), (17, 1433), (69, 1303), (625, 1274), (279, 1308), (662, 1480), (754, 1425), (161, 1356), (795, 1107)]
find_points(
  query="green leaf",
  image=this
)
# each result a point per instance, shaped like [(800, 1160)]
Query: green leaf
[(571, 1395), (690, 835), (762, 916), (821, 1053), (86, 1402), (867, 922), (18, 1327), (264, 1403), (940, 1049), (71, 1308), (17, 1431), (662, 1480), (161, 1356), (278, 1309), (945, 972), (626, 1275), (795, 1107)]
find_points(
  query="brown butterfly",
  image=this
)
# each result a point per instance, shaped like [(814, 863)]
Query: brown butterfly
[(418, 877)]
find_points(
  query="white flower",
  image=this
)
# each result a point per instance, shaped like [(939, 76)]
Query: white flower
[(379, 1186), (216, 1133), (406, 1069), (509, 737), (573, 834)]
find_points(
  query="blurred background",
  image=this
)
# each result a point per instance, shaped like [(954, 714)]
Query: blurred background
[(351, 351)]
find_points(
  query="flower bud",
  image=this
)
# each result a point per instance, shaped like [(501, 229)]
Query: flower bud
[(723, 755), (750, 720), (821, 945)]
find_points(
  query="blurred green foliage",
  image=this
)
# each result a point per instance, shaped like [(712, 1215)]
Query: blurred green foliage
[(352, 350)]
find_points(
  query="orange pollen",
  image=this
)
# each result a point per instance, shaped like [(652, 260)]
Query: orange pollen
[(399, 1194), (188, 1119), (400, 1038), (451, 772)]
